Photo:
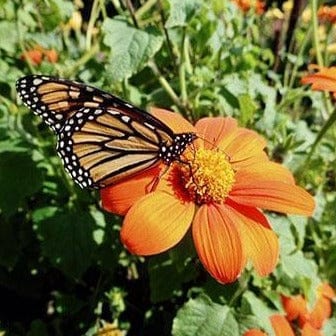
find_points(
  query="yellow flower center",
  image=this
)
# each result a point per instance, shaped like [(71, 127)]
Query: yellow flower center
[(206, 176)]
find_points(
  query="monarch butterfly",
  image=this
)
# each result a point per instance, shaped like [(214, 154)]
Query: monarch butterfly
[(101, 139)]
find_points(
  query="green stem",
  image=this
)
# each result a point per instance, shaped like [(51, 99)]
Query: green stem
[(303, 46), (145, 8), (117, 6), (103, 9), (132, 12), (325, 128), (169, 42), (316, 39), (332, 115), (165, 85), (182, 78), (81, 61), (93, 16), (243, 282), (23, 49)]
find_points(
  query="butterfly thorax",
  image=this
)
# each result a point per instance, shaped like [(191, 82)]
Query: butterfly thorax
[(172, 152)]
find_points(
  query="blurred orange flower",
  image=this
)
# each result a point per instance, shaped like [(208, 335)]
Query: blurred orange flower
[(323, 80), (322, 308), (218, 188), (51, 55), (246, 5), (36, 55), (280, 326), (296, 308), (327, 14)]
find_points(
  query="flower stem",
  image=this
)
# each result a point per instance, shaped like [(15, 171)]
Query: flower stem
[(325, 128), (332, 115), (145, 8), (93, 16), (304, 43), (182, 69), (316, 39), (85, 58), (165, 85)]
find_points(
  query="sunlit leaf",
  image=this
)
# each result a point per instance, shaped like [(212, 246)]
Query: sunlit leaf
[(202, 317), (131, 48), (181, 11)]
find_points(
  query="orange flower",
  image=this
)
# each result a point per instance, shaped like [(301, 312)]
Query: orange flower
[(322, 308), (51, 55), (246, 5), (296, 308), (280, 326), (34, 56), (308, 330), (218, 188), (327, 14), (254, 332), (323, 80)]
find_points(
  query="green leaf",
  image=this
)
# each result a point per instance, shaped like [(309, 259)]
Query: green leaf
[(68, 304), (8, 36), (14, 145), (131, 48), (247, 108), (181, 12), (66, 239), (54, 12), (202, 317), (38, 328), (19, 178), (296, 266), (177, 266), (254, 306), (282, 227)]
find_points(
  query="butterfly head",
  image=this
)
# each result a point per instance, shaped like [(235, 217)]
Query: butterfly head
[(172, 152)]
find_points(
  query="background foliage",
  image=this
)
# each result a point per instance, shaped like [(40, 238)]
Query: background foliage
[(63, 270)]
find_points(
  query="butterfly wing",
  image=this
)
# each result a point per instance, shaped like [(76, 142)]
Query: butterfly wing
[(99, 147), (101, 138), (56, 100)]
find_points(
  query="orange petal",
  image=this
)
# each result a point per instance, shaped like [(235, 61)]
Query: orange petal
[(118, 198), (261, 245), (174, 120), (245, 148), (254, 332), (155, 223), (324, 80), (218, 244), (251, 212), (308, 330), (281, 326), (320, 82), (295, 307), (326, 290), (273, 195), (263, 171), (320, 313), (214, 130)]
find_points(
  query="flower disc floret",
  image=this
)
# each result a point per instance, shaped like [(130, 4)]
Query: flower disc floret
[(207, 176)]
